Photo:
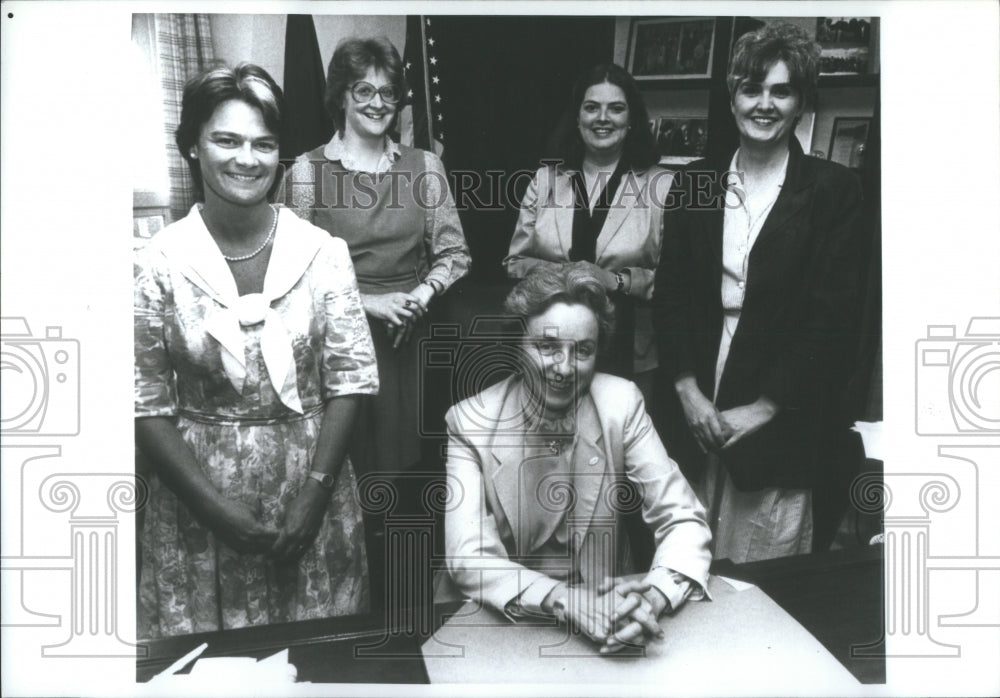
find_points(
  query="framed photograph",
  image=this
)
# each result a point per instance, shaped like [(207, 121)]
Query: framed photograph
[(680, 140), (671, 49), (847, 143), (846, 45)]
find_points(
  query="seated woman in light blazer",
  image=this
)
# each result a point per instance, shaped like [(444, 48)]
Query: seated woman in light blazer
[(550, 460), (601, 204)]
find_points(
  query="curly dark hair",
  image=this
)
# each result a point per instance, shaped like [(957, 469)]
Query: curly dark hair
[(351, 61), (203, 94), (566, 145), (756, 52), (572, 283)]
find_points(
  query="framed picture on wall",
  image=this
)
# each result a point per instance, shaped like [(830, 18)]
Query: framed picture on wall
[(670, 49), (680, 140), (847, 143), (845, 45)]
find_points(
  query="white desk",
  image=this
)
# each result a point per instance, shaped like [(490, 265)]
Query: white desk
[(741, 643)]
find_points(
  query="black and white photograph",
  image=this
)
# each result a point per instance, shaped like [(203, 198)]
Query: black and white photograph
[(565, 350), (671, 48), (848, 141), (846, 44), (357, 446), (682, 140)]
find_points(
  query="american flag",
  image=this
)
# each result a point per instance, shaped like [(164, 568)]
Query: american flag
[(421, 63)]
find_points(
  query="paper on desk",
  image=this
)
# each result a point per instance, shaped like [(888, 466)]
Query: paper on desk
[(212, 672), (871, 438)]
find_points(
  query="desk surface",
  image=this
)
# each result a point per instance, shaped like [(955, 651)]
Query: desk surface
[(740, 643), (836, 596)]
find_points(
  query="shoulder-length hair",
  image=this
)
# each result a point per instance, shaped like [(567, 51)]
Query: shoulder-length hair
[(756, 52), (573, 283), (566, 144), (203, 94), (351, 61)]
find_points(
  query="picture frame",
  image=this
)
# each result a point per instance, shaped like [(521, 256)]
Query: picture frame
[(662, 48), (845, 45), (681, 139), (848, 139)]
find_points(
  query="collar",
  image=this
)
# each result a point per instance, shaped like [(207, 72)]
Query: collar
[(336, 151), (538, 424), (190, 248), (777, 179)]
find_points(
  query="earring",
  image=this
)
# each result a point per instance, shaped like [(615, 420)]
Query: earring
[(194, 155)]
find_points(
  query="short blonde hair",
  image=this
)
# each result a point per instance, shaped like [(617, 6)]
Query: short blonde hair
[(573, 283)]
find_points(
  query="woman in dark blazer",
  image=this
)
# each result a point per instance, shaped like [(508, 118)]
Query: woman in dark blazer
[(755, 295)]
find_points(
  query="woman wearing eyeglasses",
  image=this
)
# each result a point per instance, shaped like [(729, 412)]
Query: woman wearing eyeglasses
[(392, 205)]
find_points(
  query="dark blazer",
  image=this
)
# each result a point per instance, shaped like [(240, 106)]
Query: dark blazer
[(795, 326)]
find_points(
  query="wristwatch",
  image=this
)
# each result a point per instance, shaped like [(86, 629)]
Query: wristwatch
[(324, 479), (620, 278)]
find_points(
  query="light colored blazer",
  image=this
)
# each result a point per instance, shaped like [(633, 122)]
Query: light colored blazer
[(616, 440), (630, 239)]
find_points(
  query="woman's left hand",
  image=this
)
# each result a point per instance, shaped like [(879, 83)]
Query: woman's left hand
[(744, 420), (303, 518)]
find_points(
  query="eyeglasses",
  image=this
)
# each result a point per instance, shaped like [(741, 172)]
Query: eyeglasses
[(363, 92)]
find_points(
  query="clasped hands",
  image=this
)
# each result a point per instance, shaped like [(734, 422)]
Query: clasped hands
[(717, 430), (241, 528), (618, 612), (399, 310)]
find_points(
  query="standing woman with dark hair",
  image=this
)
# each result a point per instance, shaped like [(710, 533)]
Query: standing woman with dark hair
[(601, 203), (392, 206), (755, 297), (251, 352)]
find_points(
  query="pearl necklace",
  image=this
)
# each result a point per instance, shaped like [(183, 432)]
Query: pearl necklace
[(267, 240)]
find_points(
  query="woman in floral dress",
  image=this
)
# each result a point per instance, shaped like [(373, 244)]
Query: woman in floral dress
[(251, 353)]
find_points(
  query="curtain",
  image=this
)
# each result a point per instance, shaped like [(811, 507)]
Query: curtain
[(184, 48), (306, 123), (503, 84)]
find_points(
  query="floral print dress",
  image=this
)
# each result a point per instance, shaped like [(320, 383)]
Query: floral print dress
[(246, 379)]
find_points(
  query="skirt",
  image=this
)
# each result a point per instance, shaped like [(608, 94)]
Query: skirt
[(759, 524)]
